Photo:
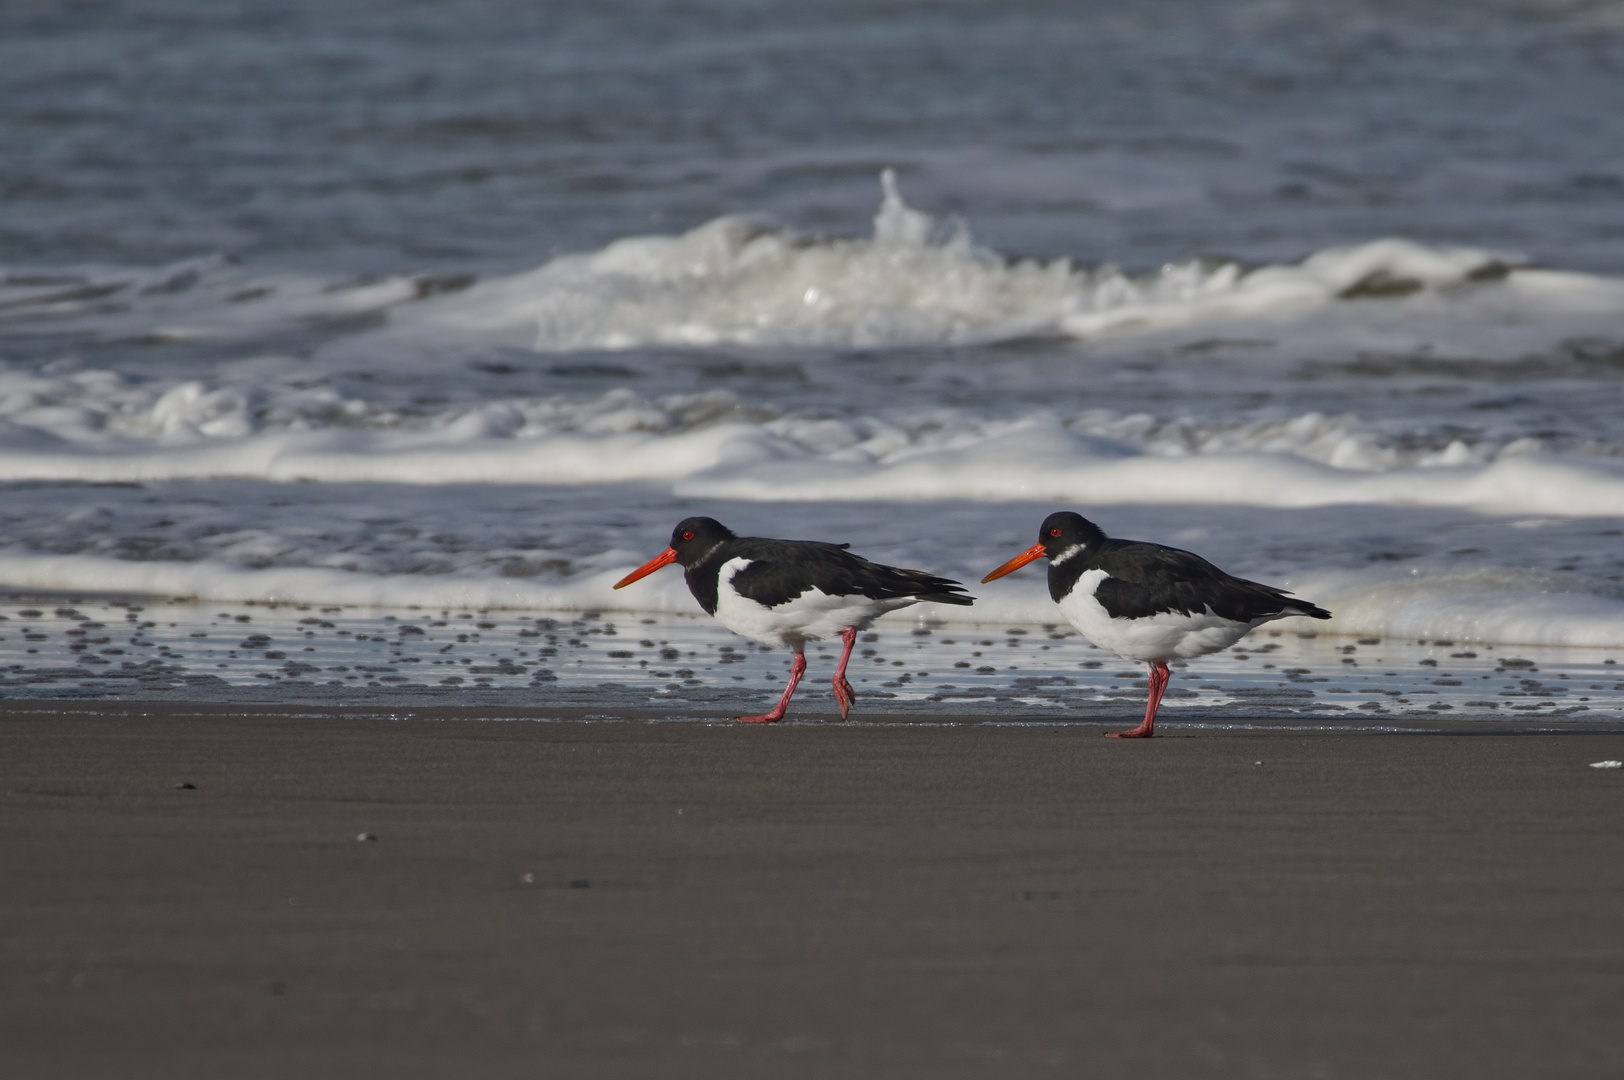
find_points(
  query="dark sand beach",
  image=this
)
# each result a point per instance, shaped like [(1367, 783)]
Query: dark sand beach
[(648, 899)]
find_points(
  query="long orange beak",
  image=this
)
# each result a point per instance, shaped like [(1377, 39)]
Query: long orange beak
[(1036, 551), (664, 558)]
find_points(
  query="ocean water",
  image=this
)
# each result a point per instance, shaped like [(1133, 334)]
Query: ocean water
[(458, 307)]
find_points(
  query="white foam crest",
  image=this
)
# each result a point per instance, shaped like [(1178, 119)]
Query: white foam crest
[(743, 282), (1039, 459), (98, 426), (1491, 605), (1418, 572), (1496, 605), (412, 458), (215, 580), (107, 409), (735, 280), (1193, 292), (1344, 441), (219, 580)]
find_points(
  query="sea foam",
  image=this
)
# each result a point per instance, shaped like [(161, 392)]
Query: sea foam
[(1492, 605), (381, 401), (95, 427), (914, 281)]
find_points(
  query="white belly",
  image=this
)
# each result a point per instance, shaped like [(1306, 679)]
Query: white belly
[(812, 616), (1169, 636)]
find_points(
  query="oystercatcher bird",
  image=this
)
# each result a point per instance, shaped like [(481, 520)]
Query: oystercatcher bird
[(1148, 602), (789, 592)]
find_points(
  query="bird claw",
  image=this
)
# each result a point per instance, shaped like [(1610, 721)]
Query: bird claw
[(845, 697), (1133, 733), (764, 718)]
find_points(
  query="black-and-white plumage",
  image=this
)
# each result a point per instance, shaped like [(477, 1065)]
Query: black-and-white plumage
[(1149, 602), (790, 592)]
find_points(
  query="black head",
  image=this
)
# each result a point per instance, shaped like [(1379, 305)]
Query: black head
[(691, 541), (696, 537), (1063, 530)]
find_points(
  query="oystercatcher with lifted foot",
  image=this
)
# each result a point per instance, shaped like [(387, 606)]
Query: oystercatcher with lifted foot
[(789, 592), (1148, 602)]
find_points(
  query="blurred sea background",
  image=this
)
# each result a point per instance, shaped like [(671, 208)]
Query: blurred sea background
[(462, 305)]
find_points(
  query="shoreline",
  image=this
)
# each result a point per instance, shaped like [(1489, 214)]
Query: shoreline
[(694, 667), (500, 707)]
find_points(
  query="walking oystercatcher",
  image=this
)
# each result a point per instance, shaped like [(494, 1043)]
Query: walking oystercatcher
[(1148, 602), (789, 592)]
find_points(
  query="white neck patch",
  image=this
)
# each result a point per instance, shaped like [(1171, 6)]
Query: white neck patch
[(1070, 553)]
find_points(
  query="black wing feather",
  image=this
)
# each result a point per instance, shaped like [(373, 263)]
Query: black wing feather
[(1148, 579), (781, 570)]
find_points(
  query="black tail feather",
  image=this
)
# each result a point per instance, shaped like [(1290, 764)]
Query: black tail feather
[(938, 590)]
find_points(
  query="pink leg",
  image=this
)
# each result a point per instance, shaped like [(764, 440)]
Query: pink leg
[(843, 691), (797, 668), (1158, 686)]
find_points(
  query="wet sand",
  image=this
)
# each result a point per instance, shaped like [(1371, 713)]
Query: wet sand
[(645, 899)]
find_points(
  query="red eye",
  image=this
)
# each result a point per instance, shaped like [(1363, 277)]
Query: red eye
[(1054, 532), (687, 536)]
